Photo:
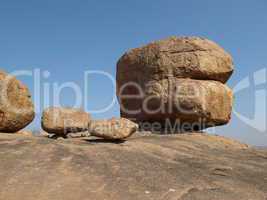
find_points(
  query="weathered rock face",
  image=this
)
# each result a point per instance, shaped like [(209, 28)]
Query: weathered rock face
[(184, 57), (174, 167), (177, 81), (184, 99), (113, 129), (16, 107), (62, 121)]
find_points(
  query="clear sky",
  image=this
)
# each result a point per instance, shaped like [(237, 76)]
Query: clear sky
[(68, 38)]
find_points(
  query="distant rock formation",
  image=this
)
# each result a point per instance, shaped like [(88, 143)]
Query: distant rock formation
[(176, 80), (61, 121), (16, 106)]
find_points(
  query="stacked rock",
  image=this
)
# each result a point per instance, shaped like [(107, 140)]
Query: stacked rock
[(176, 84), (16, 106)]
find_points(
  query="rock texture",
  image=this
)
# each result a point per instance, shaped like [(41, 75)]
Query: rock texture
[(181, 57), (176, 80), (176, 167), (62, 121), (16, 107), (205, 103), (113, 129)]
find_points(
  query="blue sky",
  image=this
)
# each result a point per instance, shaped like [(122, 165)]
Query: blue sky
[(67, 38)]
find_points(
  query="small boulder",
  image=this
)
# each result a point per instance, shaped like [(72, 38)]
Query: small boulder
[(62, 121), (16, 106), (113, 129)]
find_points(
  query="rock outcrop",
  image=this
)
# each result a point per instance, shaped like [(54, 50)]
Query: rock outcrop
[(16, 106), (177, 79), (145, 167), (61, 121), (113, 129)]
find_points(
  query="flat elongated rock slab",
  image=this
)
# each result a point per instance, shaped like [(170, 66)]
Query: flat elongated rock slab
[(16, 106), (113, 129), (62, 121)]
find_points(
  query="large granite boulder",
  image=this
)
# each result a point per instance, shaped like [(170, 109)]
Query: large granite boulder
[(181, 57), (16, 106), (112, 129), (177, 81), (145, 167), (61, 121), (187, 104)]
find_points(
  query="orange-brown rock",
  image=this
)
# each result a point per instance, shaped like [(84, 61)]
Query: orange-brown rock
[(181, 57), (113, 129), (181, 104), (16, 106), (177, 82), (62, 121)]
